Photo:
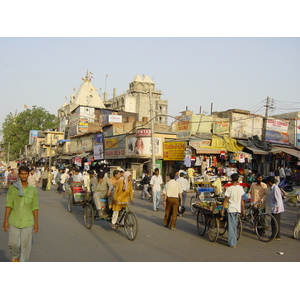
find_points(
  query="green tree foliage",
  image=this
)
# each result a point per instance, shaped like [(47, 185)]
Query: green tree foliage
[(16, 128)]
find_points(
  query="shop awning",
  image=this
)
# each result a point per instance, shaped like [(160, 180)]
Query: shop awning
[(65, 157), (290, 151), (81, 155), (253, 149), (202, 150)]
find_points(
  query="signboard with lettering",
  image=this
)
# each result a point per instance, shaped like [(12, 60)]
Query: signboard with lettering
[(277, 131), (221, 127), (174, 150), (115, 147), (143, 132)]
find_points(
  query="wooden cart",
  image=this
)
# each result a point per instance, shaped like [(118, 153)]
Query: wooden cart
[(210, 220)]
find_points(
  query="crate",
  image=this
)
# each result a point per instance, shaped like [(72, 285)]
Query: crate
[(79, 197)]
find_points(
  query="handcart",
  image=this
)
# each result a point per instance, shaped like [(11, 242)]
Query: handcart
[(209, 219), (202, 193), (77, 195)]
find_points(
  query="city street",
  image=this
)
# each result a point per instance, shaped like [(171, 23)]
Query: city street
[(62, 237)]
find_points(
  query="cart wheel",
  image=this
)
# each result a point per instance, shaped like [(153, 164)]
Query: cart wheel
[(192, 201), (88, 216), (130, 225), (212, 228), (223, 229), (70, 203), (239, 228), (266, 227), (201, 223)]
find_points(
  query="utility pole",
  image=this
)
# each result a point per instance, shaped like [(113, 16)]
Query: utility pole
[(153, 162), (264, 129)]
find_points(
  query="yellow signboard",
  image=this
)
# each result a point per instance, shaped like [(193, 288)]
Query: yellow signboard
[(174, 150)]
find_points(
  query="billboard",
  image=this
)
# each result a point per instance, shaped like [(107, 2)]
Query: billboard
[(298, 134), (33, 134), (221, 127), (98, 146), (115, 147), (277, 131), (142, 146)]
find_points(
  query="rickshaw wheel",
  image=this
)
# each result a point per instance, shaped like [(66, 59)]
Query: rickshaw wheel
[(88, 216), (70, 203)]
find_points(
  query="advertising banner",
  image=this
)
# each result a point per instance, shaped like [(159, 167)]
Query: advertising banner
[(183, 126), (221, 127), (277, 131), (115, 147), (142, 146), (98, 146), (33, 134), (298, 134), (174, 150)]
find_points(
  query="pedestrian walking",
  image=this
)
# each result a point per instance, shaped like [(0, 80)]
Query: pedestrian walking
[(156, 184), (21, 216), (185, 187), (275, 198), (172, 197), (146, 182), (234, 199), (44, 179)]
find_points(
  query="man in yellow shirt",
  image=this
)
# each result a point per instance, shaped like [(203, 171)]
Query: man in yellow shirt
[(258, 191)]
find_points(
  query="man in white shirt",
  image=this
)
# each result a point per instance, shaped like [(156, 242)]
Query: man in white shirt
[(32, 178), (156, 183), (77, 177), (172, 196), (63, 180), (234, 199), (185, 186)]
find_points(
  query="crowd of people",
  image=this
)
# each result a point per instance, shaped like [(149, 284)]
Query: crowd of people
[(117, 190)]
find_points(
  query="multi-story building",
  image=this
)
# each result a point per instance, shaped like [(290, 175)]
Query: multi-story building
[(141, 98)]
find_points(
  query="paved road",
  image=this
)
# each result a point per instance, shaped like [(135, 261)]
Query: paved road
[(63, 238)]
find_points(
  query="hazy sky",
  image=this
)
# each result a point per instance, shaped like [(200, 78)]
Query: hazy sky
[(208, 63), (191, 72)]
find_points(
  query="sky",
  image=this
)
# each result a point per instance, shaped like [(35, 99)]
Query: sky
[(195, 73)]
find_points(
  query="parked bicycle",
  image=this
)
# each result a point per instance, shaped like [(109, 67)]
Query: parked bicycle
[(264, 224)]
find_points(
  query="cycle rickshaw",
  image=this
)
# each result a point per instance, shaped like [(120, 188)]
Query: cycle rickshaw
[(126, 219)]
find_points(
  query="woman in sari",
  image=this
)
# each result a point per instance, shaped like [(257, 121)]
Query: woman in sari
[(122, 193)]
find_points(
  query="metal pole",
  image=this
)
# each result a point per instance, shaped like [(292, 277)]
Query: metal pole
[(265, 120), (50, 155), (153, 163)]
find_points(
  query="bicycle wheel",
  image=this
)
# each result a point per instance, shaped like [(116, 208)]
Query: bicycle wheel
[(192, 201), (239, 228), (201, 225), (222, 226), (266, 227), (130, 225), (70, 203), (88, 216), (213, 228)]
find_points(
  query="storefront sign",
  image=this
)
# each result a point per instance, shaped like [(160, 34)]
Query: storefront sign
[(298, 134), (174, 150), (183, 126), (199, 143), (143, 132), (221, 127), (277, 131), (111, 119)]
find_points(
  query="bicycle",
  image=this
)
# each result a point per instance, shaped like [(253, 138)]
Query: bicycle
[(201, 194), (126, 219), (264, 224)]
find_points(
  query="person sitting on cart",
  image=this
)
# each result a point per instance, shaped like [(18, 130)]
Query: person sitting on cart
[(101, 189), (234, 199)]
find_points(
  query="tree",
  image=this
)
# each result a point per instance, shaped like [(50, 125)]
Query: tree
[(16, 128)]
